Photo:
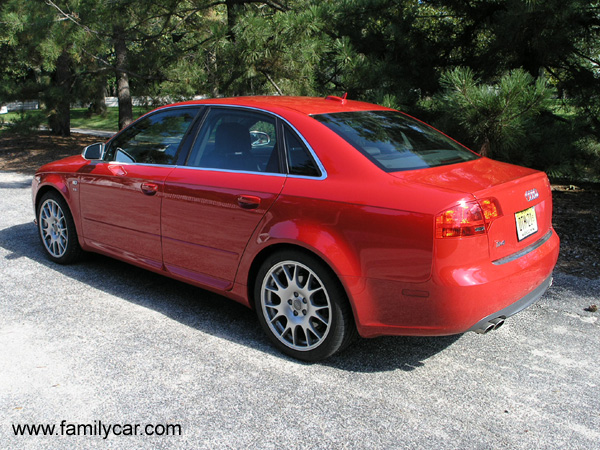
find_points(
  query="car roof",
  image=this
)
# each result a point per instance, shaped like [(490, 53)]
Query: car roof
[(304, 105)]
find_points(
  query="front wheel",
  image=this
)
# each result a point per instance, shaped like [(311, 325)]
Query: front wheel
[(302, 306), (57, 229)]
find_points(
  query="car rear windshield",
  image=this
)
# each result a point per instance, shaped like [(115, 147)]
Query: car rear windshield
[(394, 141)]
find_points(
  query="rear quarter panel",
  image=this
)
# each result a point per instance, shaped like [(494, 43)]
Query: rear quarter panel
[(357, 241)]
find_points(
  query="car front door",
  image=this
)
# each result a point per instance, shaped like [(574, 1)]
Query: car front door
[(212, 206), (121, 195)]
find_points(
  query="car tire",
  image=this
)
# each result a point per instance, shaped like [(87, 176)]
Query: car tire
[(57, 229), (302, 306)]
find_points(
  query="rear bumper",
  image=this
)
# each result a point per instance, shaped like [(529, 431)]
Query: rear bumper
[(517, 306), (459, 297)]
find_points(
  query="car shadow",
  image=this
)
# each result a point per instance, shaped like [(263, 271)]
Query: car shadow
[(212, 313), (16, 184)]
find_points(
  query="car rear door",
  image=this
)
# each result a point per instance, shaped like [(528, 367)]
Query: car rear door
[(212, 206), (121, 196)]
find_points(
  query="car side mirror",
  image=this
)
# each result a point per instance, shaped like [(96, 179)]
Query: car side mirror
[(94, 151), (259, 138)]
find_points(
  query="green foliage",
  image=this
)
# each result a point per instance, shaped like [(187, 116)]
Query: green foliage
[(587, 166), (376, 50), (80, 118), (496, 118), (24, 123), (399, 53), (514, 120)]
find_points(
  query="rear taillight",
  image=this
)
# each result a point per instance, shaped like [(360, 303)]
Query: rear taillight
[(491, 210), (467, 218)]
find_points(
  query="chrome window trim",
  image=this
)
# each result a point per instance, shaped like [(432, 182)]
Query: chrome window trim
[(246, 172), (523, 252), (117, 163), (143, 116), (210, 169), (207, 169), (154, 111), (294, 129)]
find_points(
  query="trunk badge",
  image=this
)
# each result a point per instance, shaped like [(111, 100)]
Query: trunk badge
[(531, 194)]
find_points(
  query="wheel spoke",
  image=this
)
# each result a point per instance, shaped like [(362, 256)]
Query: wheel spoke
[(277, 317), (315, 290), (320, 318), (277, 308), (316, 308), (278, 285), (288, 330), (298, 273), (288, 275), (312, 330)]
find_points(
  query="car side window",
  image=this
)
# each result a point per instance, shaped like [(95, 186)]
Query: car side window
[(232, 139), (154, 139), (299, 159)]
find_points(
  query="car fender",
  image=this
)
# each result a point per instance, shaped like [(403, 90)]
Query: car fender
[(55, 181), (67, 186), (325, 242)]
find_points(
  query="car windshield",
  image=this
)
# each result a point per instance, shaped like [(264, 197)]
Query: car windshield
[(394, 141)]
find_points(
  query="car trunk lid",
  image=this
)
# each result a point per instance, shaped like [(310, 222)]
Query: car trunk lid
[(523, 194)]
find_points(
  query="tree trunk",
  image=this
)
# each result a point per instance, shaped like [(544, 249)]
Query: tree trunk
[(233, 10), (98, 105), (59, 101), (212, 72), (123, 93), (485, 149)]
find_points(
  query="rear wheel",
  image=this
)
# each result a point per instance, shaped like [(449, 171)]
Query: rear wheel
[(57, 229), (302, 306)]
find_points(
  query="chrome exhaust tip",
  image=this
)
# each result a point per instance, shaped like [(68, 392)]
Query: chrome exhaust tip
[(498, 322), (490, 325), (485, 328)]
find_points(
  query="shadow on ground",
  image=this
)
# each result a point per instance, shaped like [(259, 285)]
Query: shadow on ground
[(16, 185), (212, 313)]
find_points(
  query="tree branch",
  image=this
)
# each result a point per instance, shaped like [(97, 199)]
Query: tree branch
[(71, 18), (128, 72), (272, 82)]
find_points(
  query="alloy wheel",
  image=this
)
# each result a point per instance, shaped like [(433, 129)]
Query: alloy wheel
[(296, 305), (53, 228)]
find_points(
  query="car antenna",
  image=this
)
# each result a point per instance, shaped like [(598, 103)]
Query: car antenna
[(335, 98)]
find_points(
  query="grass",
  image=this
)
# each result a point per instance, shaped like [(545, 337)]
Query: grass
[(80, 118), (110, 121), (15, 116)]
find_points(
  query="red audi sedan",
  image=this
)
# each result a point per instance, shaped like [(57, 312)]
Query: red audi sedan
[(329, 217)]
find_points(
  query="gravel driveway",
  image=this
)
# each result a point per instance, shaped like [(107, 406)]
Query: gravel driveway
[(103, 343)]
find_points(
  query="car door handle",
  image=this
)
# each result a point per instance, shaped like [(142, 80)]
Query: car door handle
[(149, 188), (248, 201)]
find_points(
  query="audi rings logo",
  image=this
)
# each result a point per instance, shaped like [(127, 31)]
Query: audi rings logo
[(531, 194)]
